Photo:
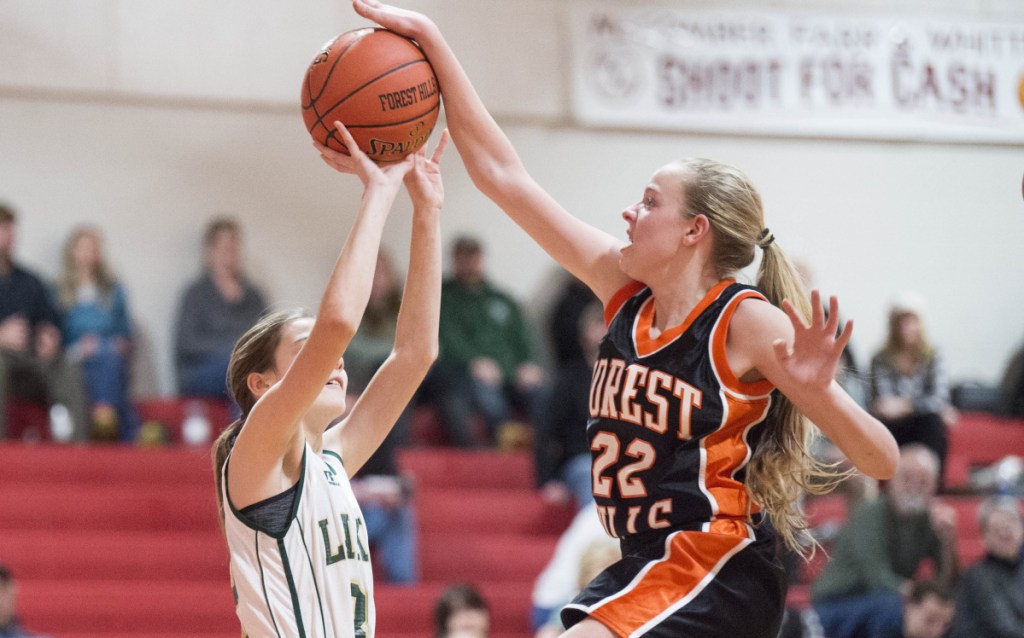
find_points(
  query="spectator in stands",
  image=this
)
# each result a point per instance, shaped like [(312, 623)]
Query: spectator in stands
[(214, 311), (557, 583), (596, 556), (386, 502), (564, 320), (990, 601), (1012, 389), (10, 627), (925, 612), (461, 612), (909, 386), (486, 362), (97, 333), (372, 344), (32, 364), (562, 451), (883, 545)]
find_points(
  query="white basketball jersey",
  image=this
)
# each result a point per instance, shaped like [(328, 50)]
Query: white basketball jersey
[(315, 579)]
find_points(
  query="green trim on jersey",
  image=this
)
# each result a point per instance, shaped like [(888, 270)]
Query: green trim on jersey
[(312, 571), (296, 608), (335, 455), (263, 583)]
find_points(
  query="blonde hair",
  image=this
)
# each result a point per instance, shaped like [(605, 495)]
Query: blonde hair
[(253, 352), (67, 283), (922, 352), (782, 468)]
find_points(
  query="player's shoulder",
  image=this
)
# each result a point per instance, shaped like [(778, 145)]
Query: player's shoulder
[(755, 318)]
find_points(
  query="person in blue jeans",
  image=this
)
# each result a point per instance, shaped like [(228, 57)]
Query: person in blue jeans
[(97, 331)]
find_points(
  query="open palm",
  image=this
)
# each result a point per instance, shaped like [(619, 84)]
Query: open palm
[(814, 355)]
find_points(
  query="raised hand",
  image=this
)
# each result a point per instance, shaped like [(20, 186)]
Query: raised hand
[(424, 180), (357, 163), (402, 21), (812, 359)]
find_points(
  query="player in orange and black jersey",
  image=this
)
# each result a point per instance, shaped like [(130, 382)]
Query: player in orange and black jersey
[(697, 431)]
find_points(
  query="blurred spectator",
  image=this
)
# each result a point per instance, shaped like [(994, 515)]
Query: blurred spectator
[(9, 625), (909, 386), (98, 333), (558, 582), (485, 365), (461, 612), (214, 311), (564, 321), (372, 343), (883, 545), (386, 502), (990, 601), (368, 349), (1012, 389), (32, 365), (562, 450), (925, 612), (596, 556)]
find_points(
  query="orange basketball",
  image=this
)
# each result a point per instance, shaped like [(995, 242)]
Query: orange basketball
[(379, 85)]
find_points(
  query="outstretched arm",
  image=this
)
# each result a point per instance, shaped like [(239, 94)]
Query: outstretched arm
[(800, 361), (590, 254), (415, 349), (269, 447)]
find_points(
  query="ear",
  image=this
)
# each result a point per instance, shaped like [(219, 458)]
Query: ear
[(699, 228), (257, 383)]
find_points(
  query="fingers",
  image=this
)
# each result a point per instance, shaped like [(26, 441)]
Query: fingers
[(347, 140), (833, 315), (844, 338), (794, 316), (782, 349), (441, 145), (817, 311)]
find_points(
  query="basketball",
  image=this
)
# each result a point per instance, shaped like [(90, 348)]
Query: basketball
[(379, 85)]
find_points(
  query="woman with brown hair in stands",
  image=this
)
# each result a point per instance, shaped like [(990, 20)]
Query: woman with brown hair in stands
[(299, 559)]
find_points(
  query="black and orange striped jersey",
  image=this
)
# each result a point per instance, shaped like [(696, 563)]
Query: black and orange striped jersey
[(671, 427)]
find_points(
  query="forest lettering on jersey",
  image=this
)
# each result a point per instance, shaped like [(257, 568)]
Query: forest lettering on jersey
[(642, 396), (353, 547)]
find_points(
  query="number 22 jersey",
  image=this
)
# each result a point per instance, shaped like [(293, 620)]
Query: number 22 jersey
[(671, 428)]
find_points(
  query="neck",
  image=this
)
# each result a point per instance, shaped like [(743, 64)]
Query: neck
[(677, 293), (6, 264)]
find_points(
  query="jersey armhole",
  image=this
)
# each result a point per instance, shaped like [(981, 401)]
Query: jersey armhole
[(248, 522), (719, 356), (619, 299)]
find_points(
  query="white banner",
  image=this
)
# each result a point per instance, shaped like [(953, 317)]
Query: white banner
[(788, 73)]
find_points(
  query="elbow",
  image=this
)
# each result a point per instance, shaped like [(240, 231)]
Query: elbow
[(418, 357), (883, 464), (496, 178), (338, 325)]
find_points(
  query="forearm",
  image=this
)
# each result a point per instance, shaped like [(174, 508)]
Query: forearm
[(416, 334), (865, 441), (348, 289)]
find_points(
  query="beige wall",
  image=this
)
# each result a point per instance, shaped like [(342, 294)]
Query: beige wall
[(149, 117)]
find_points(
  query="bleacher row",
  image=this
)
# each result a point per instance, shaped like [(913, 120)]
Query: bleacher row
[(121, 541)]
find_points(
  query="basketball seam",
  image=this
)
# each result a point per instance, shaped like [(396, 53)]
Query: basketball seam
[(320, 118), (386, 124), (309, 90)]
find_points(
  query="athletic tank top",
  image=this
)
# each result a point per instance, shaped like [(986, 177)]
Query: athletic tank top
[(671, 428), (314, 578)]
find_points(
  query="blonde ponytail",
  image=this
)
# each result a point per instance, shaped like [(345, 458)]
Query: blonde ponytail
[(782, 468)]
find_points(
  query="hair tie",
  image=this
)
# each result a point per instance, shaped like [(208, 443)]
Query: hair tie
[(765, 239)]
